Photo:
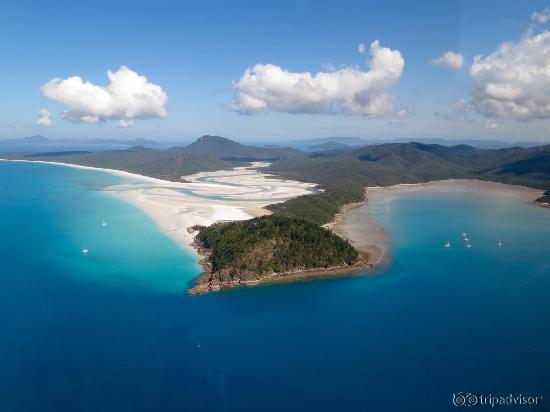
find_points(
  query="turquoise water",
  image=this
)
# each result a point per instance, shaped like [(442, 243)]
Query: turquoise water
[(113, 331), (54, 212)]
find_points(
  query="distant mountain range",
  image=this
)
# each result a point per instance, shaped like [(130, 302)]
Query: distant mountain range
[(343, 143), (38, 140), (325, 144)]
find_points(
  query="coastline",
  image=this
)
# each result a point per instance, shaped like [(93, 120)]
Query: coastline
[(359, 227), (202, 198), (355, 223), (243, 192), (115, 172), (372, 253)]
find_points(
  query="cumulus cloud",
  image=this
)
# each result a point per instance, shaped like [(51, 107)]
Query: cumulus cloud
[(348, 90), (45, 118), (541, 17), (128, 96), (514, 80), (450, 59)]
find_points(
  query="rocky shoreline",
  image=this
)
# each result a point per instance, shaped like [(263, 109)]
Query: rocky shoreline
[(207, 283)]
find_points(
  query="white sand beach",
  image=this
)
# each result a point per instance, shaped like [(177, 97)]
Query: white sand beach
[(203, 198), (209, 197)]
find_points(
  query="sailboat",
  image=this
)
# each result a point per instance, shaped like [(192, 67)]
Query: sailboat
[(499, 243), (104, 223), (448, 244)]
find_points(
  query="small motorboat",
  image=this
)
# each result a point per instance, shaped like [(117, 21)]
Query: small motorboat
[(85, 250)]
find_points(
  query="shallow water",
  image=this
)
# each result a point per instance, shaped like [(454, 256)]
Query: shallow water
[(112, 331)]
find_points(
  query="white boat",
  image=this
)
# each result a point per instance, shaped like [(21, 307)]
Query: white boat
[(499, 243), (448, 244), (85, 250), (103, 223), (464, 234), (469, 245)]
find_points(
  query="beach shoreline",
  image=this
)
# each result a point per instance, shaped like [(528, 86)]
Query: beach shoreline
[(202, 198), (374, 244), (249, 191), (522, 193)]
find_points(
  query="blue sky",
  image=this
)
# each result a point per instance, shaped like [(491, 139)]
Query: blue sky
[(194, 51)]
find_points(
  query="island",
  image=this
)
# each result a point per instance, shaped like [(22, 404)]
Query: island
[(270, 248)]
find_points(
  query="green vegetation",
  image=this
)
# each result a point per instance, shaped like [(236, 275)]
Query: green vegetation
[(345, 174), (248, 249), (319, 209)]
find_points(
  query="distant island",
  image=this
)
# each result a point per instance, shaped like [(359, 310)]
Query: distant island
[(291, 242)]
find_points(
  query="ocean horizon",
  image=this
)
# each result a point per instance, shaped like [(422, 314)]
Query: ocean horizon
[(113, 330)]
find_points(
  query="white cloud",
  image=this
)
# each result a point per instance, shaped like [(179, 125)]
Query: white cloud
[(45, 118), (348, 90), (406, 110), (541, 17), (514, 80), (127, 96), (361, 48), (125, 123), (499, 127), (450, 59)]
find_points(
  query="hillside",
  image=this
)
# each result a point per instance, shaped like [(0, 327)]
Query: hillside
[(251, 251), (345, 174)]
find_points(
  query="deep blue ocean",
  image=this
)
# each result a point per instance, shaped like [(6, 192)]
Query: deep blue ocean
[(114, 331)]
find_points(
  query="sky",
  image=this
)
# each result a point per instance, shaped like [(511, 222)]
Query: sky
[(276, 71)]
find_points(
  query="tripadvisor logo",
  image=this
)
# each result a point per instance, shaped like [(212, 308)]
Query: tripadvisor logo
[(469, 399)]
